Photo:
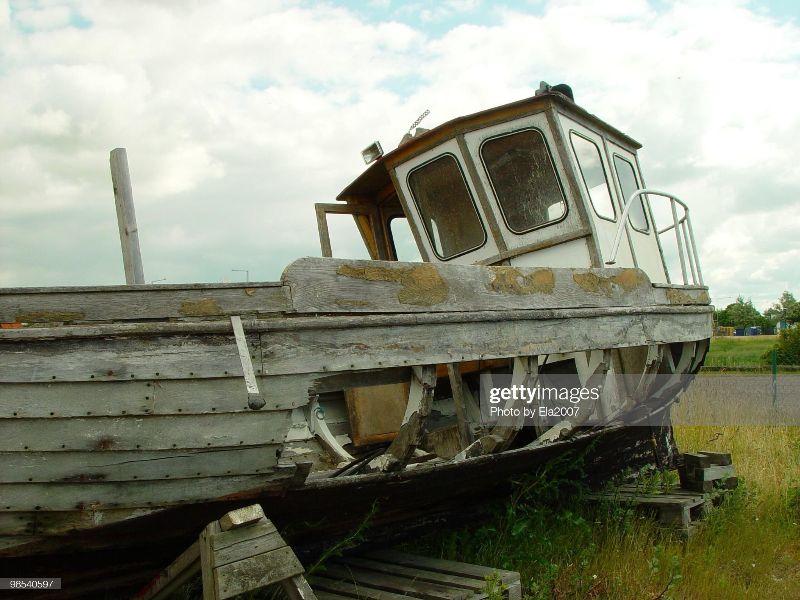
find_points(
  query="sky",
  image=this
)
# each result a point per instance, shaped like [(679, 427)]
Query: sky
[(239, 116)]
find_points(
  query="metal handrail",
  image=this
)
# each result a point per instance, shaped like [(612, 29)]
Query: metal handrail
[(683, 234)]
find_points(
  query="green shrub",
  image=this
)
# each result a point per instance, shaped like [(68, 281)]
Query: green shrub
[(788, 348)]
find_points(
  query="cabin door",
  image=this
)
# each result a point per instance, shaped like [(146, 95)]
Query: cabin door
[(641, 226), (588, 153)]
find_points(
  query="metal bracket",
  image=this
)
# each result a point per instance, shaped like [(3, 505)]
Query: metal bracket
[(254, 398)]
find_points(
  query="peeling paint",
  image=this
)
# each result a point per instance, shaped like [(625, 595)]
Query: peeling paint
[(48, 316), (510, 280), (625, 280), (419, 286), (675, 296), (205, 307)]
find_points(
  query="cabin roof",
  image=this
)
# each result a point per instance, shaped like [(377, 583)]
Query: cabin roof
[(376, 177)]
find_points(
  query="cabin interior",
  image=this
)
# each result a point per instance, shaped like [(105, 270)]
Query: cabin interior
[(538, 182)]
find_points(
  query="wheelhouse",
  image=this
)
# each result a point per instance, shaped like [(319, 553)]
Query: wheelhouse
[(538, 182)]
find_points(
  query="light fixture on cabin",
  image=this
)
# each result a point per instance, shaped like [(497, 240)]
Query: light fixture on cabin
[(372, 152), (561, 88)]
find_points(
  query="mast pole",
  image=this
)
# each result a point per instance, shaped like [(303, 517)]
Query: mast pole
[(126, 217)]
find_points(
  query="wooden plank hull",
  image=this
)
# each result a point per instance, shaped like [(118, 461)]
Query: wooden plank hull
[(125, 417), (125, 554)]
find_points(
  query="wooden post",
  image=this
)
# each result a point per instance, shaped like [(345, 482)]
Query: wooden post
[(126, 217)]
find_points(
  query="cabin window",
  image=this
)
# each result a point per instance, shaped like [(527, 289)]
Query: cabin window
[(403, 242), (446, 206), (629, 184), (524, 180), (594, 176)]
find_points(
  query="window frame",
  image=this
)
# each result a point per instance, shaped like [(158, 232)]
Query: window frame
[(422, 216), (583, 177), (552, 165), (646, 230)]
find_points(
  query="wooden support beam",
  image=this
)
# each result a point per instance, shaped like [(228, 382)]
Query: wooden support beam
[(459, 400), (420, 399), (126, 217)]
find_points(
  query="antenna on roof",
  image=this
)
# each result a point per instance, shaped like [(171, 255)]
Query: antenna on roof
[(419, 120)]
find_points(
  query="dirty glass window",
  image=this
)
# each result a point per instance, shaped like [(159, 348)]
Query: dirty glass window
[(405, 246), (524, 180), (628, 183), (594, 175), (446, 206)]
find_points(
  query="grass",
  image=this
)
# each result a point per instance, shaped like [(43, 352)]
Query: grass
[(743, 351), (747, 548)]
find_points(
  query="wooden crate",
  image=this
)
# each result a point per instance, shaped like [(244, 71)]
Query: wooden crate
[(392, 575)]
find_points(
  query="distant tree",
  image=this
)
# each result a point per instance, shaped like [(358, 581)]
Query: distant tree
[(741, 313), (787, 308), (788, 348)]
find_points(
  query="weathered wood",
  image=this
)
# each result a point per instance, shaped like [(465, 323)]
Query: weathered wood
[(297, 588), (154, 432), (172, 577), (335, 285), (93, 398), (344, 588), (305, 323), (248, 548), (226, 539), (460, 401), (420, 398), (410, 587), (141, 302), (484, 445), (441, 565), (256, 572), (170, 492), (58, 523), (322, 230), (403, 345), (143, 465), (376, 412), (686, 295), (207, 561), (126, 216), (254, 397), (115, 359), (241, 517), (467, 583)]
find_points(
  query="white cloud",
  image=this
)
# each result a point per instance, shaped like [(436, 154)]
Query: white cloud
[(239, 116)]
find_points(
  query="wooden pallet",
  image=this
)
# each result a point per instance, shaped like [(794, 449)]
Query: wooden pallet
[(677, 508), (707, 471), (392, 575)]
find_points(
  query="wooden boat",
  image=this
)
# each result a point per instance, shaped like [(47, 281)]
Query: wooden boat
[(131, 415)]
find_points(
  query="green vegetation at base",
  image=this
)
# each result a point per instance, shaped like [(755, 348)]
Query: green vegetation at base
[(739, 351), (747, 548)]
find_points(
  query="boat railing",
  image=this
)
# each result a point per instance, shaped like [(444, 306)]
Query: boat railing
[(684, 235)]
